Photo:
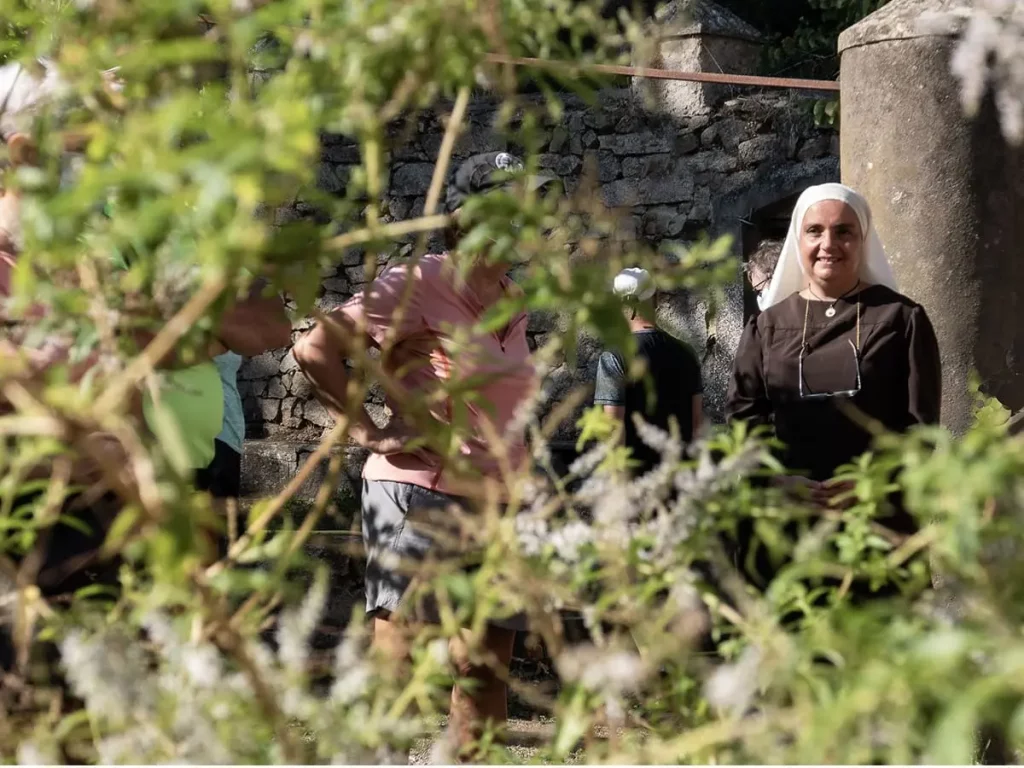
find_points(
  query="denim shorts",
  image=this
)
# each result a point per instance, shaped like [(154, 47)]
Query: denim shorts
[(394, 520)]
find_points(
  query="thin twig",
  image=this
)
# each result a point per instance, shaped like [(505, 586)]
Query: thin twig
[(451, 135), (914, 544), (382, 231), (229, 641), (161, 345), (319, 506), (286, 493)]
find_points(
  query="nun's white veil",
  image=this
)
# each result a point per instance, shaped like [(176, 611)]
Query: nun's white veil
[(789, 277)]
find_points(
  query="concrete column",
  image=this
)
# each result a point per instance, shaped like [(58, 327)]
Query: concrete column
[(695, 36), (947, 194)]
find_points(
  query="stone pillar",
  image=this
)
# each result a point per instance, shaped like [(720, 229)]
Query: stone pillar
[(695, 36), (947, 194)]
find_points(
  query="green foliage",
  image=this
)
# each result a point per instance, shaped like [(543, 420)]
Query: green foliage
[(217, 128), (803, 35), (826, 113)]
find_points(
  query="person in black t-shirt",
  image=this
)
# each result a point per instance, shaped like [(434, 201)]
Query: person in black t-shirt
[(671, 387)]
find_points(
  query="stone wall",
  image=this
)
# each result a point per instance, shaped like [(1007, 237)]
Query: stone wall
[(678, 177)]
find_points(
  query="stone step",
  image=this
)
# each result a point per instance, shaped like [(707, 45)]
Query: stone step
[(268, 466)]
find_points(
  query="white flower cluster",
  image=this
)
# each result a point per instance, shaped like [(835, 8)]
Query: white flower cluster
[(161, 698), (990, 53), (732, 687), (296, 627), (663, 504), (609, 673), (602, 671)]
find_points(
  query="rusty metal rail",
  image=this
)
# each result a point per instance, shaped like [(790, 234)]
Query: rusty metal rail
[(669, 74)]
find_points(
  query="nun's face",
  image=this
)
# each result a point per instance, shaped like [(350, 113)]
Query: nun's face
[(831, 244)]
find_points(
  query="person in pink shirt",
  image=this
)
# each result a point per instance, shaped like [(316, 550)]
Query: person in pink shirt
[(420, 315)]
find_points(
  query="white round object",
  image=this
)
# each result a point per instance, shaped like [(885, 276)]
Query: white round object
[(634, 283)]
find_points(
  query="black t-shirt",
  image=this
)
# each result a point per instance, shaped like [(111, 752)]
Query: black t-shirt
[(666, 391)]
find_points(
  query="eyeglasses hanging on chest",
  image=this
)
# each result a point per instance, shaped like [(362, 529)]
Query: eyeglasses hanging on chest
[(854, 347)]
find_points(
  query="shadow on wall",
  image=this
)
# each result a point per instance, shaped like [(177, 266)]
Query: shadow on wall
[(998, 180)]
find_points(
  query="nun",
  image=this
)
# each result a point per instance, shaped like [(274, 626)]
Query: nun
[(834, 332)]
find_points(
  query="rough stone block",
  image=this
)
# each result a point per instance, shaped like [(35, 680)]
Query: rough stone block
[(621, 194), (737, 181), (702, 49), (636, 143), (262, 367), (478, 138), (332, 178), (276, 389), (398, 207), (663, 222), (759, 149), (375, 393), (734, 132), (562, 165), (542, 321), (411, 179), (352, 257), (815, 147), (698, 123), (288, 363), (336, 285), (685, 143), (653, 181), (589, 140), (709, 136), (267, 467), (599, 119), (269, 409), (314, 412), (311, 487), (629, 123), (644, 167), (559, 139), (701, 209), (715, 161), (291, 413), (667, 189), (342, 154), (331, 300), (608, 166), (356, 275), (300, 386)]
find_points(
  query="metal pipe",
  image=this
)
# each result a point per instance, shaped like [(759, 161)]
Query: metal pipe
[(669, 74)]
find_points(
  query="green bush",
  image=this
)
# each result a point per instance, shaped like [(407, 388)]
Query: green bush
[(218, 126)]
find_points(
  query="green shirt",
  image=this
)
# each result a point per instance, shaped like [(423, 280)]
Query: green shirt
[(187, 414)]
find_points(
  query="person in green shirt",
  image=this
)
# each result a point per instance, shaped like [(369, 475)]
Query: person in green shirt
[(185, 411), (252, 327)]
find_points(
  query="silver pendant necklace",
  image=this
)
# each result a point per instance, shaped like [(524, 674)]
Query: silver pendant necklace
[(831, 311)]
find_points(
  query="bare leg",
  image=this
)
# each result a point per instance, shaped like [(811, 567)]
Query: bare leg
[(391, 638), (486, 701)]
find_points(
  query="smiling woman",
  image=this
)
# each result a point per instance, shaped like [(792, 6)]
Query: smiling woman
[(835, 339)]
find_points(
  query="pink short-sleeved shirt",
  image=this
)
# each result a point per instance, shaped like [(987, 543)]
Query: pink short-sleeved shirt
[(432, 345)]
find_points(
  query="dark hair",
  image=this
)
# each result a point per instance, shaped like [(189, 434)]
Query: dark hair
[(451, 236), (766, 256)]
